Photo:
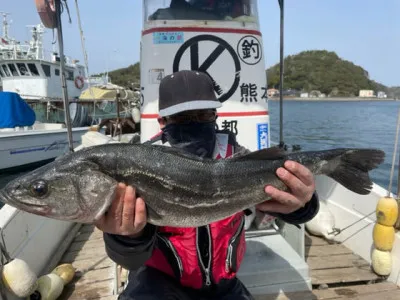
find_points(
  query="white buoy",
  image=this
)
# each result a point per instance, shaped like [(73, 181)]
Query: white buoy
[(50, 286), (18, 278)]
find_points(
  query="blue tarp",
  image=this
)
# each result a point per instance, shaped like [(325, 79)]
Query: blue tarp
[(14, 111)]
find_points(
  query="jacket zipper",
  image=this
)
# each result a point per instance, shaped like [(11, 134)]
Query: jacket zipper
[(208, 268), (228, 261), (170, 246)]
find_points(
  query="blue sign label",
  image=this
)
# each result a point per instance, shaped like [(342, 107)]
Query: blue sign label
[(262, 136), (167, 37)]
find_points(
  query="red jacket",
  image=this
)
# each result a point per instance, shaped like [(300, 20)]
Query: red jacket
[(204, 255)]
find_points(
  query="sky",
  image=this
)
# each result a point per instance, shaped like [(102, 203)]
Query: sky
[(366, 32)]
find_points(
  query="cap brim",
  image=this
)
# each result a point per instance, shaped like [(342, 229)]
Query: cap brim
[(191, 105)]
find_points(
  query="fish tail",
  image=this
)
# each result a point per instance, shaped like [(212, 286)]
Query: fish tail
[(351, 169)]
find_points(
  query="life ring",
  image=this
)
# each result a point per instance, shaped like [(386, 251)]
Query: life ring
[(79, 82), (47, 13)]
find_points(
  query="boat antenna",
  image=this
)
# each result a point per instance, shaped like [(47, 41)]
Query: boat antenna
[(5, 24), (281, 142), (63, 79), (85, 56)]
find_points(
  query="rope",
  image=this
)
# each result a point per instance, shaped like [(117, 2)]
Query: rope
[(5, 257), (394, 155), (66, 6), (337, 231)]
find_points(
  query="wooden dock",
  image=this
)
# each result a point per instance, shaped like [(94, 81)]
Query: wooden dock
[(95, 271), (336, 273)]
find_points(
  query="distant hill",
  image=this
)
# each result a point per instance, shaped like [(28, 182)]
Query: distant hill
[(126, 77), (306, 71), (326, 72)]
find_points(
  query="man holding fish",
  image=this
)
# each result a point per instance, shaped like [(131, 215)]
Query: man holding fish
[(202, 262)]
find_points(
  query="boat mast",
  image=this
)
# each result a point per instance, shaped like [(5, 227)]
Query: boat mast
[(63, 79), (36, 44), (37, 37), (5, 25), (82, 41), (281, 142)]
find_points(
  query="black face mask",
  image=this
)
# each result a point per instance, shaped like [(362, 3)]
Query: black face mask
[(195, 137)]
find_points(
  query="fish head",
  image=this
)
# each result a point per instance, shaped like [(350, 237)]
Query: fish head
[(65, 190)]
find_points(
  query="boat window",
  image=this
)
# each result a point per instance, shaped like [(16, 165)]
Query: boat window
[(69, 75), (33, 69), (57, 72), (46, 70), (222, 10), (6, 71), (13, 69), (23, 70), (2, 74)]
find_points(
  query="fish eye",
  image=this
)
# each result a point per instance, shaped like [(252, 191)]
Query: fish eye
[(39, 188)]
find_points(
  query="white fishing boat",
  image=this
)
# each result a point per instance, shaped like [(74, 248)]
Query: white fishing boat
[(34, 74), (281, 262), (42, 143), (24, 142)]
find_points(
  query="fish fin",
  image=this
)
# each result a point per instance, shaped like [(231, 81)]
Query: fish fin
[(272, 153), (176, 151), (351, 169)]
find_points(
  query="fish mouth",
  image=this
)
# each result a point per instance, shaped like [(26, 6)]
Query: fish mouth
[(5, 198), (38, 209)]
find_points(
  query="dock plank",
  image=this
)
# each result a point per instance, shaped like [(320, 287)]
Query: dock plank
[(359, 291), (93, 263), (388, 295), (94, 269), (345, 274), (88, 228), (336, 261), (327, 250), (371, 291), (71, 256), (342, 275), (310, 240), (88, 236), (97, 290), (86, 245), (94, 276)]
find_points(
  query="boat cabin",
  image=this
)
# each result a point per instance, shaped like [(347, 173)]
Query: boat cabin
[(34, 73), (40, 79)]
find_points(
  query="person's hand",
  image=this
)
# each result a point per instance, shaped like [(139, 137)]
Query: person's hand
[(301, 184), (127, 214)]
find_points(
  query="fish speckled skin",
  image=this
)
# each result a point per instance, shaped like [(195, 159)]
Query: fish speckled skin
[(179, 189)]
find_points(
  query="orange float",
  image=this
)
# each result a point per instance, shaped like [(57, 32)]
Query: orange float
[(47, 13)]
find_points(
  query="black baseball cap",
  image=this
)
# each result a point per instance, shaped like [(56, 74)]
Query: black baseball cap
[(186, 90)]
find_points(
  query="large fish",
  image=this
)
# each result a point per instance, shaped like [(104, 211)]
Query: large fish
[(179, 189)]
